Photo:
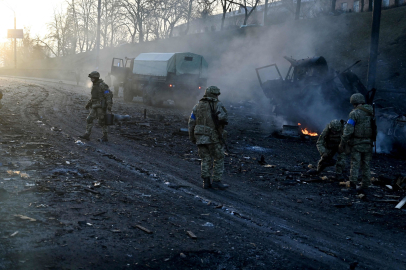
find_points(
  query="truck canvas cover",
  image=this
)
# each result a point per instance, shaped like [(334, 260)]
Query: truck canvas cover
[(159, 64)]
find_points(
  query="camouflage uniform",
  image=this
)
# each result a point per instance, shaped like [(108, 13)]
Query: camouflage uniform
[(100, 101), (358, 135), (328, 143), (202, 131)]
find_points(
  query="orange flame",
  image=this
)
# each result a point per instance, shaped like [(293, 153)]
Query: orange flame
[(306, 132)]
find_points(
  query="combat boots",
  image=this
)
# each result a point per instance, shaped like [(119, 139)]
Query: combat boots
[(219, 185), (206, 183), (104, 138), (85, 136)]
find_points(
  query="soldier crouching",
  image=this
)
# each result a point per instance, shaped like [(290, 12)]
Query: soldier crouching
[(100, 102), (206, 129), (327, 145)]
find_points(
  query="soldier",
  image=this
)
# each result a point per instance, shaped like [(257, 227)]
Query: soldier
[(100, 102), (327, 144), (358, 134), (206, 129)]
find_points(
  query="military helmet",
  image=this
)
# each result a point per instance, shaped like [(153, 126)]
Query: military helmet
[(335, 125), (94, 74), (212, 91), (357, 98)]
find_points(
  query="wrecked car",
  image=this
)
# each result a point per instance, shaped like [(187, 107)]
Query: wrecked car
[(309, 91)]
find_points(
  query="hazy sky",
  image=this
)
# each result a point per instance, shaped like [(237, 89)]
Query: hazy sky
[(30, 13)]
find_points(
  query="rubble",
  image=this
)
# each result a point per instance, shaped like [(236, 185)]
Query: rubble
[(191, 235), (401, 203)]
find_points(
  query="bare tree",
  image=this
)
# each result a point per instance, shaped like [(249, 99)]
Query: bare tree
[(248, 5), (138, 11), (61, 36), (225, 5), (167, 16)]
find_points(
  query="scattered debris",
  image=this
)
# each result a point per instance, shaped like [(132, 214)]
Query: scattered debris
[(191, 235), (142, 229), (25, 218), (310, 166), (182, 255), (14, 234), (401, 203), (324, 178), (99, 214), (270, 166), (208, 224), (24, 175), (79, 142), (91, 191), (13, 172)]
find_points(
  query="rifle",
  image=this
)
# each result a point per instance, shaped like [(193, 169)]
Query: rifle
[(370, 96), (216, 121)]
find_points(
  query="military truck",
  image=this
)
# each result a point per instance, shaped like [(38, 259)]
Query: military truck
[(157, 77)]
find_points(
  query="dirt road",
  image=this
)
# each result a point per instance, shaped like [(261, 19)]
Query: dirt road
[(136, 202)]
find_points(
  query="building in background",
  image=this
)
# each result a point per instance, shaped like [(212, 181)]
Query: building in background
[(278, 12), (356, 5)]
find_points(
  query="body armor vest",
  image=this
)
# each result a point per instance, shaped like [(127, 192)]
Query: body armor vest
[(363, 127), (333, 139), (204, 122)]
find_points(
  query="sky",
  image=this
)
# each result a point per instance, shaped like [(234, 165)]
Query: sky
[(34, 14)]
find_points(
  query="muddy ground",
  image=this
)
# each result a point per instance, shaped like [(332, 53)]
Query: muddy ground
[(65, 204)]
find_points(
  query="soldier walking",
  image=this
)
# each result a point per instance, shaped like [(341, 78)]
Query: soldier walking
[(206, 129), (327, 145), (358, 134), (101, 101)]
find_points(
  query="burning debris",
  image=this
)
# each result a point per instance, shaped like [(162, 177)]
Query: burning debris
[(305, 131), (297, 131)]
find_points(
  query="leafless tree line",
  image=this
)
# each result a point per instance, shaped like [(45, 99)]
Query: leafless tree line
[(73, 29), (74, 25)]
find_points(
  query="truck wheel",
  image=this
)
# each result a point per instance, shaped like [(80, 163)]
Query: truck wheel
[(150, 96), (127, 94), (146, 95), (116, 88)]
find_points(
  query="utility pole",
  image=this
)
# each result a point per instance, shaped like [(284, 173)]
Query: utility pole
[(265, 12), (15, 42), (298, 9), (98, 35), (373, 52)]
